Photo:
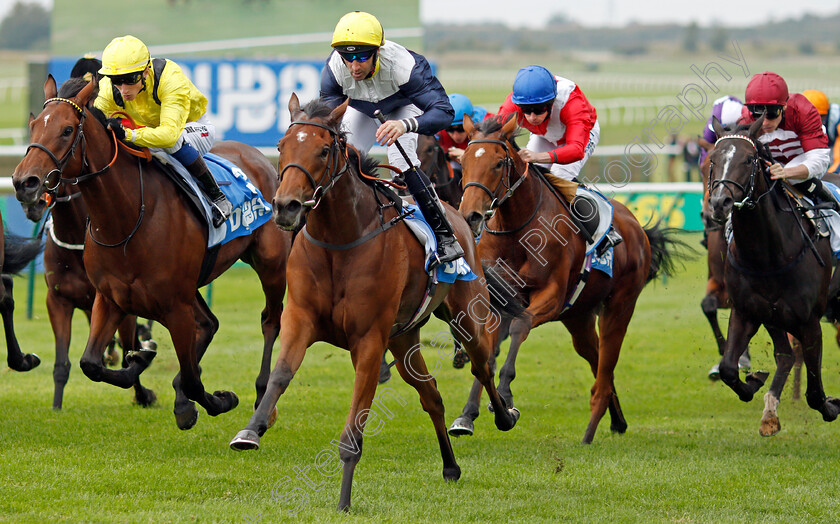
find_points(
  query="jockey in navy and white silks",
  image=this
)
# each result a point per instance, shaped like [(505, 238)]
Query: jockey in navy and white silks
[(727, 109), (375, 73), (793, 132)]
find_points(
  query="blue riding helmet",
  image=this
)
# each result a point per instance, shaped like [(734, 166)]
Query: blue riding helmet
[(478, 114), (462, 106), (534, 85)]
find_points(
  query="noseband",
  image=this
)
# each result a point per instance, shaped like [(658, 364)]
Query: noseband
[(504, 180), (748, 201), (332, 172)]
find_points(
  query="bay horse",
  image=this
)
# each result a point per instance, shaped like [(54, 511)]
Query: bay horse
[(435, 163), (777, 271), (357, 281), (145, 248), (15, 254), (68, 287), (529, 233)]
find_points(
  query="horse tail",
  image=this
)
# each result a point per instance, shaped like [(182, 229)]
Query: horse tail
[(504, 296), (19, 251), (666, 251)]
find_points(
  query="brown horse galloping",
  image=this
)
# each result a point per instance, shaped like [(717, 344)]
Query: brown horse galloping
[(530, 233), (357, 281), (434, 162), (145, 247)]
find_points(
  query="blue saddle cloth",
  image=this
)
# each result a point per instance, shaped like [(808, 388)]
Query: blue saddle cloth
[(250, 209), (447, 273)]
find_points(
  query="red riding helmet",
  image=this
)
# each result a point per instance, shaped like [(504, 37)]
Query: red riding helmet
[(766, 88)]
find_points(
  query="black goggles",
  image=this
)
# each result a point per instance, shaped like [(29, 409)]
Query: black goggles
[(769, 111), (536, 109), (456, 129), (358, 56), (129, 78)]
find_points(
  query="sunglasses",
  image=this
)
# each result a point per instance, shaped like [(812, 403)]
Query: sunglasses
[(455, 129), (536, 109), (770, 111), (129, 79), (360, 56)]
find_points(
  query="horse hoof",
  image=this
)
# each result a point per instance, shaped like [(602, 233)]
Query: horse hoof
[(830, 409), (145, 398), (141, 357), (187, 417), (272, 418), (149, 345), (29, 362), (460, 359), (714, 373), (245, 440), (229, 400), (619, 428), (461, 426), (451, 474), (769, 426), (515, 414), (111, 359)]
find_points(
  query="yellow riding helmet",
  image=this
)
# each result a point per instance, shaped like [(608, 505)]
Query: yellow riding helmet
[(817, 98), (125, 54), (358, 28)]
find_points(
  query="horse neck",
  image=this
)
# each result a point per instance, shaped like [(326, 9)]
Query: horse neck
[(515, 210), (345, 212), (69, 219), (766, 234)]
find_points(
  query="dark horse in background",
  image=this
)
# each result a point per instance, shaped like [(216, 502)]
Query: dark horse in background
[(434, 162), (15, 253), (68, 287), (526, 210), (357, 281), (145, 247), (777, 271)]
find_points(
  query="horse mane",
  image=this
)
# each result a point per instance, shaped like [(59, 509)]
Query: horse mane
[(71, 88)]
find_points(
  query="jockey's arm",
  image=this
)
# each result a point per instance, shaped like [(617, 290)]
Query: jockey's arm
[(810, 164)]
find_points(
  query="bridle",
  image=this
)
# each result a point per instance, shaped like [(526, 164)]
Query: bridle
[(332, 172), (504, 180), (747, 190), (61, 164)]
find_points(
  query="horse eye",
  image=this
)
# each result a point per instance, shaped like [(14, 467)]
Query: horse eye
[(67, 131), (499, 164), (325, 151)]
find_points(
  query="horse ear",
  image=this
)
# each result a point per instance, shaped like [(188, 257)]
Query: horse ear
[(717, 126), (469, 127), (705, 144), (31, 117), (510, 125), (338, 113), (756, 127), (294, 105), (86, 93), (50, 89)]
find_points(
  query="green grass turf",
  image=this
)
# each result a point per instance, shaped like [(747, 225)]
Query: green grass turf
[(692, 452)]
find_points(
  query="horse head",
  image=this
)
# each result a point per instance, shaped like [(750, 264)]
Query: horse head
[(487, 164), (431, 156), (56, 134), (735, 169), (312, 156)]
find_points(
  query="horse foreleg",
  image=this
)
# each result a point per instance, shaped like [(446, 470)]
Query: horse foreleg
[(17, 360), (60, 312), (796, 346), (519, 329), (412, 369), (270, 321), (740, 333), (770, 424), (811, 339), (128, 334), (105, 317), (710, 305), (295, 338)]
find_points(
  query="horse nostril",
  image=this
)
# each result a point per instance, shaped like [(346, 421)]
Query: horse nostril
[(31, 183)]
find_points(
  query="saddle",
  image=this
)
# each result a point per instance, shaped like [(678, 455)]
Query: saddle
[(811, 211)]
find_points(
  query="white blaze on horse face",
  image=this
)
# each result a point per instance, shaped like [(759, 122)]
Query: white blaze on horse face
[(480, 152), (727, 158), (301, 136), (46, 120)]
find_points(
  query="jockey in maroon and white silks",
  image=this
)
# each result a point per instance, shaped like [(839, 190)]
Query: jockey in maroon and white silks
[(569, 134)]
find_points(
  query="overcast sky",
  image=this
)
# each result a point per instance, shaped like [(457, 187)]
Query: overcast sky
[(534, 13)]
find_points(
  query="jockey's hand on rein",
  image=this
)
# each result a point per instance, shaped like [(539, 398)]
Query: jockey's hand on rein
[(115, 124)]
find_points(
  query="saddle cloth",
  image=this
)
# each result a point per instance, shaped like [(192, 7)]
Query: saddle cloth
[(447, 273), (250, 209), (605, 214), (832, 218)]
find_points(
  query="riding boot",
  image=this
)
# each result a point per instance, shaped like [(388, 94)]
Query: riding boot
[(585, 211), (220, 205), (448, 248), (818, 193)]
